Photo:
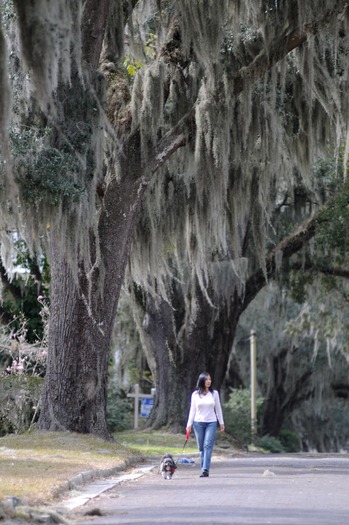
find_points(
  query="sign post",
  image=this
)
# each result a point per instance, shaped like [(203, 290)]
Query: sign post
[(146, 403)]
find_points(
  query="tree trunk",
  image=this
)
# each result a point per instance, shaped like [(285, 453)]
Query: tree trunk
[(83, 311), (183, 346), (75, 383), (284, 394)]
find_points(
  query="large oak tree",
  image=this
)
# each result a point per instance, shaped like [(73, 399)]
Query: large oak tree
[(197, 109)]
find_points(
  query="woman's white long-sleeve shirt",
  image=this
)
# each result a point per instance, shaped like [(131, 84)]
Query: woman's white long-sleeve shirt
[(205, 408)]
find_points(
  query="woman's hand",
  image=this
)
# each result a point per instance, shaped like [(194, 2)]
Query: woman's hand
[(222, 428)]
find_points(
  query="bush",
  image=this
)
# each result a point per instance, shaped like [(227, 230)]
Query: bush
[(269, 444), (19, 402), (289, 441), (237, 415), (120, 410)]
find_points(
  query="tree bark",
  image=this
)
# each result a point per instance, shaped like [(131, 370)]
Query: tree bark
[(82, 315), (93, 26), (75, 386), (283, 395)]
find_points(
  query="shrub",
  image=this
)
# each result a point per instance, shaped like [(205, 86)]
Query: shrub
[(23, 366), (19, 402), (269, 444), (237, 415), (289, 441), (120, 410)]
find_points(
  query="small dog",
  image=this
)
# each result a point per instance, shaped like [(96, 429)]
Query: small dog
[(167, 466)]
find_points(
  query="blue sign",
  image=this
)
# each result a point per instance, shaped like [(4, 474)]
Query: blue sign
[(146, 406)]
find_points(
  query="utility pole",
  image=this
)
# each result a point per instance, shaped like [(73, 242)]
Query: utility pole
[(253, 363)]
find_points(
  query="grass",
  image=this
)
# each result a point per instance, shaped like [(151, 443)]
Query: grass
[(34, 466), (155, 443)]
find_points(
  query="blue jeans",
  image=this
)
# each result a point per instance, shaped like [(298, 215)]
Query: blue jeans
[(205, 434)]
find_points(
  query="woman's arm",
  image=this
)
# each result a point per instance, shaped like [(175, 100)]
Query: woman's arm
[(192, 410), (218, 410)]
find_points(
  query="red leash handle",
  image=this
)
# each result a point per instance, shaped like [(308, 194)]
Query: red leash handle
[(187, 434)]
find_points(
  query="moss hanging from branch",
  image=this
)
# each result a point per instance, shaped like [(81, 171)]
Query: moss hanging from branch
[(50, 41), (258, 120)]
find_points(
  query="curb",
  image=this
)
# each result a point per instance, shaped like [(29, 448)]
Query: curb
[(100, 485), (89, 475)]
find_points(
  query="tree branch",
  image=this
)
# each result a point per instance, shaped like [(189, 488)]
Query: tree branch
[(295, 38), (326, 270), (174, 139), (93, 25), (287, 247)]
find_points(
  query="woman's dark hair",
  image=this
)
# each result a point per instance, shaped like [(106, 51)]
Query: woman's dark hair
[(200, 385)]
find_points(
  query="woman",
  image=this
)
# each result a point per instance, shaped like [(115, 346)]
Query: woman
[(205, 409)]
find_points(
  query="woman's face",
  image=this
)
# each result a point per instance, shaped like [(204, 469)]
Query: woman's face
[(208, 382)]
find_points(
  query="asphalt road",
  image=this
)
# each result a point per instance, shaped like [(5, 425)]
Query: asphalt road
[(272, 489)]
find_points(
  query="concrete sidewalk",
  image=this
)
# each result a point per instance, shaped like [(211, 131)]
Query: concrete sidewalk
[(88, 491)]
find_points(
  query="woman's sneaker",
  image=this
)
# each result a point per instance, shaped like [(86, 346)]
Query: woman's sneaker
[(204, 474)]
